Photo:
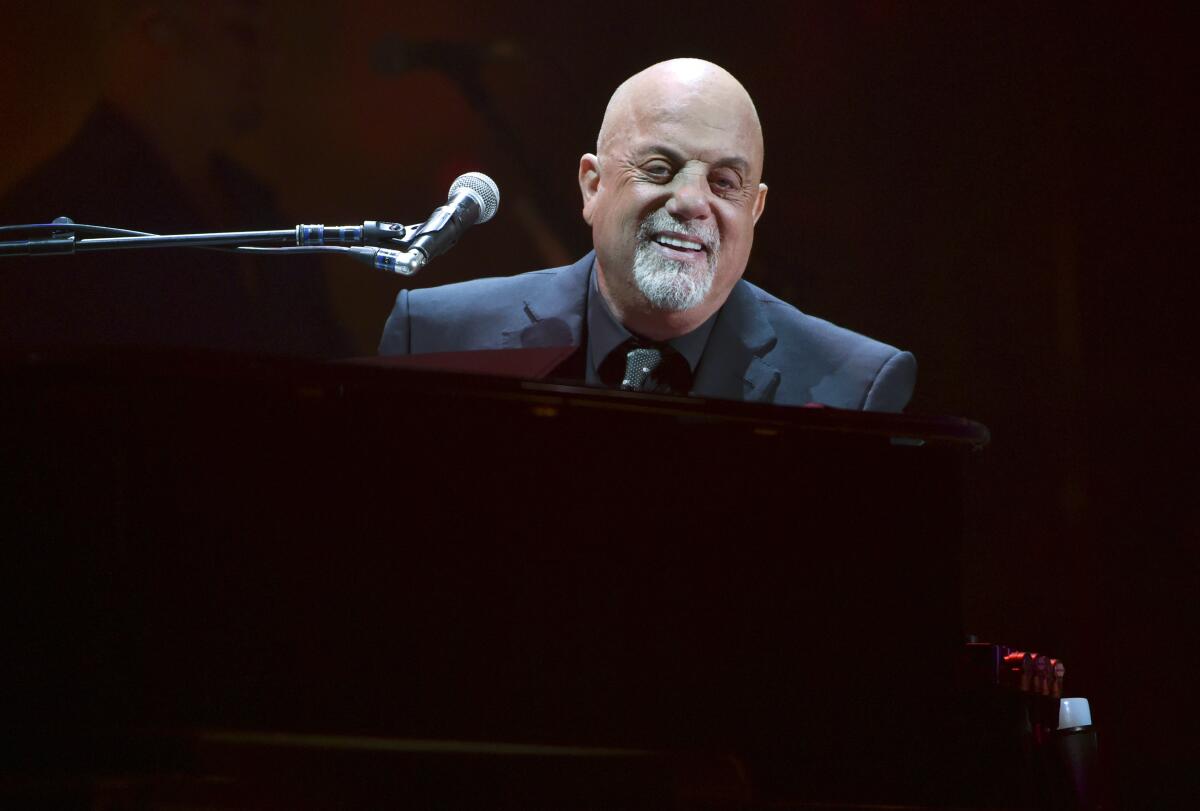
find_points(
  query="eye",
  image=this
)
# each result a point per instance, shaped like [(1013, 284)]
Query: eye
[(725, 181), (659, 170)]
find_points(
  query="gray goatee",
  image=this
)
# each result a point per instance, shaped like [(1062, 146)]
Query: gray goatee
[(666, 283)]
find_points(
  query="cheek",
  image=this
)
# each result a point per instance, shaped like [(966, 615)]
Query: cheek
[(618, 215), (741, 229), (743, 234)]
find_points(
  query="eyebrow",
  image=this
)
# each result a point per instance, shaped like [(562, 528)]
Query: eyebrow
[(733, 162)]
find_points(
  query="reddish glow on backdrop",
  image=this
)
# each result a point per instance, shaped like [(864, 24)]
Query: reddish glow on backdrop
[(418, 120), (878, 12)]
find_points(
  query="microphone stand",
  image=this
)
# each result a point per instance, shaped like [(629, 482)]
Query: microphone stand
[(383, 245)]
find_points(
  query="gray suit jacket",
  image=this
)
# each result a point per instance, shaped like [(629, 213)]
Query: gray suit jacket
[(761, 348)]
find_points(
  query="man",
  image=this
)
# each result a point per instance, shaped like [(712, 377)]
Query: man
[(672, 195)]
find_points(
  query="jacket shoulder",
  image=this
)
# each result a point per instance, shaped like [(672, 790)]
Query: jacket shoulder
[(826, 363), (476, 314), (481, 297), (791, 324)]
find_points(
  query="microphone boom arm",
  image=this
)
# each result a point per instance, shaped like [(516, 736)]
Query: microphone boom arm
[(404, 249), (384, 245)]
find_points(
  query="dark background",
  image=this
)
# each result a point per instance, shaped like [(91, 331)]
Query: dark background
[(1001, 189)]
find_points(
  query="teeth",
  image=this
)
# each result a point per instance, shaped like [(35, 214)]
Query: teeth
[(676, 242)]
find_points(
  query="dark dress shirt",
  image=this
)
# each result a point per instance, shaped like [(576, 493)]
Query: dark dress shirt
[(608, 341)]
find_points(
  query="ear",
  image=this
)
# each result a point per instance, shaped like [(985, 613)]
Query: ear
[(760, 202), (589, 183)]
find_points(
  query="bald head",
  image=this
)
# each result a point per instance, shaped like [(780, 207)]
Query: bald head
[(673, 195), (666, 88)]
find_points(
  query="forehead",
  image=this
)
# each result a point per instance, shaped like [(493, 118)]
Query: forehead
[(707, 124)]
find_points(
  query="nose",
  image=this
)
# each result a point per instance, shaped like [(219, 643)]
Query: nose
[(689, 198)]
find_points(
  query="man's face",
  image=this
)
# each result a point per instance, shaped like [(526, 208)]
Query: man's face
[(675, 198)]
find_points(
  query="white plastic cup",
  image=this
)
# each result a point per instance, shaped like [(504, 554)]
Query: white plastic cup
[(1074, 713)]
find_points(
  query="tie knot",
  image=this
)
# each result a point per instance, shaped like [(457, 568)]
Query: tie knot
[(640, 363)]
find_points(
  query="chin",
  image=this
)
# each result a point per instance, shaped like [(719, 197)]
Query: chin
[(670, 286), (673, 290)]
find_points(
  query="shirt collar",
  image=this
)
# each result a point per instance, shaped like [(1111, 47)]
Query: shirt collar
[(606, 333)]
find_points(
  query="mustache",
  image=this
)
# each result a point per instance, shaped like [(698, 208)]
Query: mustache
[(661, 220)]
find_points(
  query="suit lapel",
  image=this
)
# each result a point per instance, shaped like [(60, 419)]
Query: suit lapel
[(552, 314), (733, 365)]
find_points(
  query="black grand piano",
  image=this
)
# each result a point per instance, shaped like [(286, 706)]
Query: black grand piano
[(245, 582)]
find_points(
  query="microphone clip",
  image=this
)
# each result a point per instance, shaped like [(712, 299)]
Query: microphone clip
[(389, 234), (385, 246)]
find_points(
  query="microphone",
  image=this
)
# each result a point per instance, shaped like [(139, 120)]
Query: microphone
[(473, 199)]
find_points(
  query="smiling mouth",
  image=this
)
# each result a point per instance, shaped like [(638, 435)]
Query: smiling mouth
[(679, 242)]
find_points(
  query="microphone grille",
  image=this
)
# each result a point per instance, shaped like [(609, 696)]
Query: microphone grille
[(483, 186)]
